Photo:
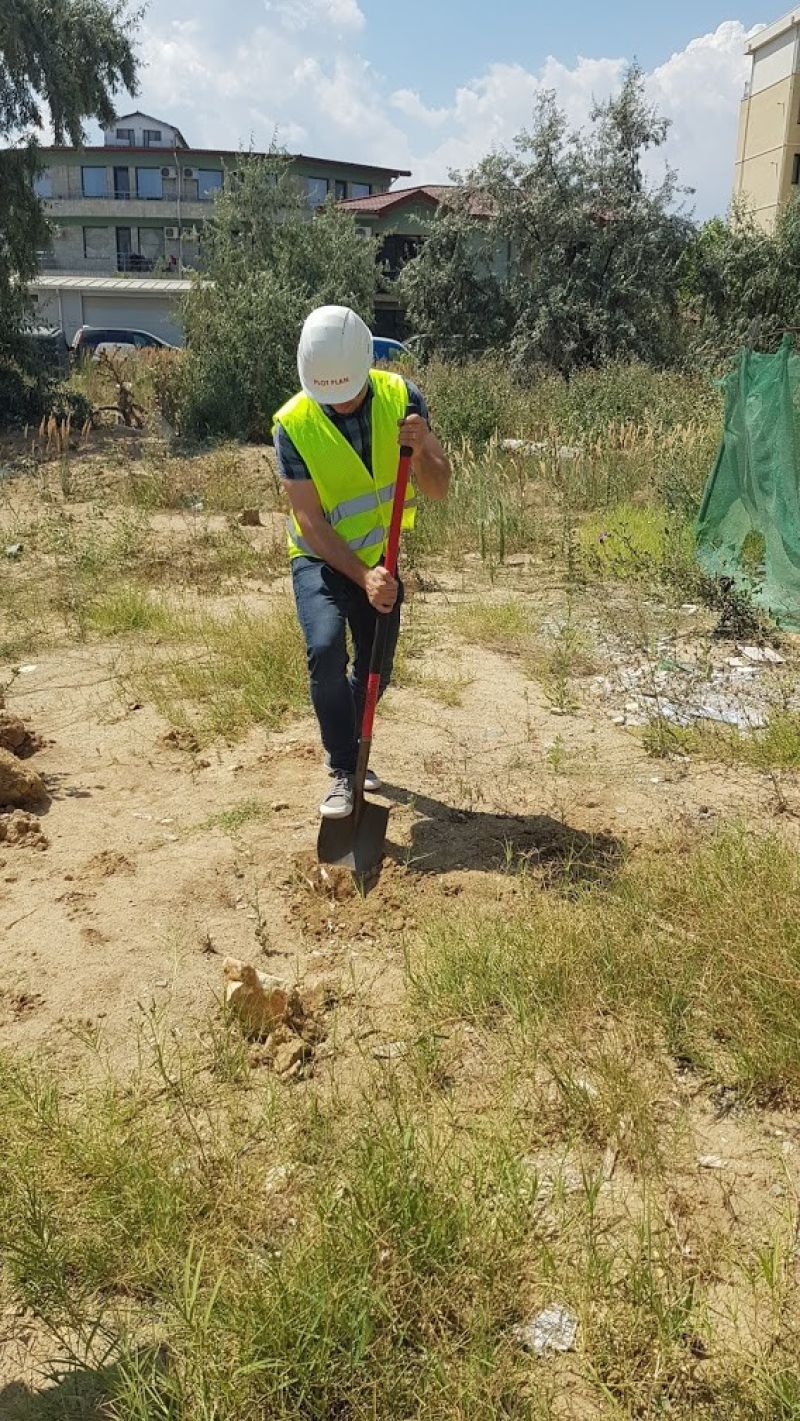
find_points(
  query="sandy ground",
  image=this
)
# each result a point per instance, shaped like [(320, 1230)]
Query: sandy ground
[(140, 894)]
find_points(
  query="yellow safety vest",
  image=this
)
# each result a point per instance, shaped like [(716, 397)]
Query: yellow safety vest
[(358, 505)]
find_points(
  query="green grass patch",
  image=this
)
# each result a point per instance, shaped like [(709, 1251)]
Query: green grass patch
[(700, 944), (775, 746), (222, 674), (500, 626), (633, 544)]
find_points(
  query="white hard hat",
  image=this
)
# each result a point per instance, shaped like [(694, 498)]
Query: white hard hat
[(334, 355)]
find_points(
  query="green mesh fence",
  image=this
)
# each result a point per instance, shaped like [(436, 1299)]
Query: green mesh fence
[(748, 527)]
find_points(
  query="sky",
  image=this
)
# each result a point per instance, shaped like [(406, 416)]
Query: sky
[(433, 85)]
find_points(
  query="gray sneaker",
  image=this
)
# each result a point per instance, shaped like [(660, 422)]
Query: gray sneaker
[(372, 782), (338, 802)]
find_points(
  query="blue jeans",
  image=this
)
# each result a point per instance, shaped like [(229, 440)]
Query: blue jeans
[(328, 603)]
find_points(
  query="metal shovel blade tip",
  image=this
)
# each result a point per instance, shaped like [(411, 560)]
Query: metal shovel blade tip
[(356, 842)]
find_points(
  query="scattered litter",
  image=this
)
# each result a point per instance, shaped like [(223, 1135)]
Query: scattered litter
[(762, 653), (276, 1176), (26, 670), (136, 814), (13, 550), (725, 711), (710, 1162), (690, 608), (534, 447), (389, 1050), (162, 982), (552, 1330), (279, 805)]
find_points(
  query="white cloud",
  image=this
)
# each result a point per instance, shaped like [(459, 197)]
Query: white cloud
[(408, 102), (299, 73), (302, 14)]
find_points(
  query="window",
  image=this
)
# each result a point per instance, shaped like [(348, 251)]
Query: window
[(148, 183), (151, 137), (360, 190), (122, 182), (93, 182), (125, 135), (316, 190), (341, 190), (95, 243), (796, 169), (43, 185), (209, 181)]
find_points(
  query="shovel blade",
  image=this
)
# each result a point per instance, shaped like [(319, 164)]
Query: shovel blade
[(356, 842)]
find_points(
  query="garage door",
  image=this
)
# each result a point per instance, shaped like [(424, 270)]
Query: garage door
[(156, 314)]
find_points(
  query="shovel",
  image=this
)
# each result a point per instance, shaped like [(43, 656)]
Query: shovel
[(357, 841)]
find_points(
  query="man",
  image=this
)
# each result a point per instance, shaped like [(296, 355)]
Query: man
[(337, 445)]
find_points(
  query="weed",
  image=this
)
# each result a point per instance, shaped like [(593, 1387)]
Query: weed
[(220, 675), (501, 626), (700, 944), (776, 746)]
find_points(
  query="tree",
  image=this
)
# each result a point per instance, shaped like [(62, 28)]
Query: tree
[(266, 265), (742, 283), (595, 247), (62, 57), (452, 291)]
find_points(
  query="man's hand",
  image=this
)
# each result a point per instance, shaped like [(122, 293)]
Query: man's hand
[(414, 433), (381, 589), (431, 465)]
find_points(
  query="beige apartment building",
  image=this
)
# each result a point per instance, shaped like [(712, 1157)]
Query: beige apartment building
[(768, 149)]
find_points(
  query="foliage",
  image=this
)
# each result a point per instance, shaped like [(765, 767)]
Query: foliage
[(65, 59), (741, 283), (595, 248), (452, 293), (28, 395), (267, 266)]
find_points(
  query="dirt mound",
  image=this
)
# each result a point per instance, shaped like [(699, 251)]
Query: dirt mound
[(16, 737), (19, 784), (23, 830), (328, 903), (106, 864)]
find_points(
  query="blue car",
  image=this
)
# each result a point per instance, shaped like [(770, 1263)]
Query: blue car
[(385, 349)]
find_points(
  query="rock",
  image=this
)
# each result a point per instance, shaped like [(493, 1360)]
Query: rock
[(260, 1002), (317, 998), (710, 1162), (390, 1050), (291, 1054), (552, 1330), (19, 784), (15, 736), (22, 829), (250, 518)]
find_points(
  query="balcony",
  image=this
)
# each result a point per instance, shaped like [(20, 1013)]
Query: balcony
[(126, 264), (127, 208)]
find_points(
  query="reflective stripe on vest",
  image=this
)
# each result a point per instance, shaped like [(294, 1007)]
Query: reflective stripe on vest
[(355, 503)]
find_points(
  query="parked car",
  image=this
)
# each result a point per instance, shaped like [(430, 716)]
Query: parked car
[(94, 340), (387, 350)]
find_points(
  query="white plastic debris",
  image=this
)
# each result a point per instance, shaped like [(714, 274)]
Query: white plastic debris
[(26, 670), (762, 653), (710, 1162), (14, 550), (552, 1330)]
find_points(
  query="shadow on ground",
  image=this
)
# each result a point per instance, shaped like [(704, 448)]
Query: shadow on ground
[(445, 839), (79, 1396)]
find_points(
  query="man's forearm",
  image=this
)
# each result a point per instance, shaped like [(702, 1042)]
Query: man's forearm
[(326, 544), (431, 469)]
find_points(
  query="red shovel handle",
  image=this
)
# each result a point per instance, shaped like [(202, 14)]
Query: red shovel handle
[(381, 622)]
